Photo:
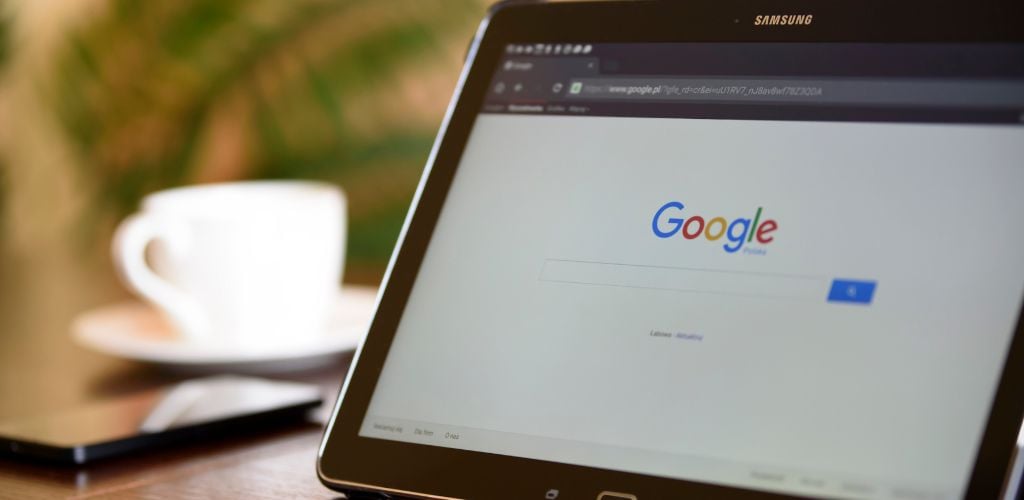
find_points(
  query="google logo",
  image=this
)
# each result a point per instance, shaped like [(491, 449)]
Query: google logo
[(737, 232)]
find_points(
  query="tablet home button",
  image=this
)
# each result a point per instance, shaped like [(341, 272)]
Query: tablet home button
[(611, 495)]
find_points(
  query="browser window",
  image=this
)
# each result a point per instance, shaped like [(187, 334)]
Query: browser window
[(790, 277)]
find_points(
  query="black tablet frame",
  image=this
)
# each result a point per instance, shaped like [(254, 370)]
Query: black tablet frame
[(350, 463)]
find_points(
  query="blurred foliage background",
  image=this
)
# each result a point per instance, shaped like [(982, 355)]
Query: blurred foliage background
[(3, 38), (113, 99), (4, 44)]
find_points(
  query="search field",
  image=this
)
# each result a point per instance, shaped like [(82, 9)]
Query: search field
[(682, 279)]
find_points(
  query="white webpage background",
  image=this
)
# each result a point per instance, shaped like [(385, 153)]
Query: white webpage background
[(898, 389)]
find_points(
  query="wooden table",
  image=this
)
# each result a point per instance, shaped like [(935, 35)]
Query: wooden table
[(42, 370)]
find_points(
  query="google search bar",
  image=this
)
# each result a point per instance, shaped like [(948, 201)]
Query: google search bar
[(684, 279), (882, 92)]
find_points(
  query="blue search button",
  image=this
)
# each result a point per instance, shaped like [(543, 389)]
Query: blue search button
[(851, 291)]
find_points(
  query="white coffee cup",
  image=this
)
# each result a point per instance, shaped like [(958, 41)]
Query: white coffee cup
[(251, 264)]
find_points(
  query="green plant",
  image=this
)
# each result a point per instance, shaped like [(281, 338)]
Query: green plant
[(4, 44), (159, 94)]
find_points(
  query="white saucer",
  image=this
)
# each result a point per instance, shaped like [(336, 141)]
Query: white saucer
[(136, 331)]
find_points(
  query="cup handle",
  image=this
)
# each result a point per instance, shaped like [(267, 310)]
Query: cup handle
[(129, 245)]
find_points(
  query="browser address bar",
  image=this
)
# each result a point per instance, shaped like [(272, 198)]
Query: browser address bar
[(903, 92)]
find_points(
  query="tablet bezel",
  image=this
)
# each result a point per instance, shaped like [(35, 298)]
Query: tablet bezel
[(349, 462)]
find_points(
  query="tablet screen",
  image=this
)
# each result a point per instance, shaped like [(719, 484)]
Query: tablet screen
[(790, 267)]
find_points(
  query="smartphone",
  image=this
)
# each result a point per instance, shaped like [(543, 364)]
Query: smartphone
[(190, 410)]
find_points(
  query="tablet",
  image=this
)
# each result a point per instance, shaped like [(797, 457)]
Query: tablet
[(707, 249)]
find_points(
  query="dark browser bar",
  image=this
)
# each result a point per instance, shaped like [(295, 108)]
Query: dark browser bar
[(901, 92), (817, 82)]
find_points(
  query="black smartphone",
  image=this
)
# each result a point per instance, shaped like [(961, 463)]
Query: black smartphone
[(189, 410)]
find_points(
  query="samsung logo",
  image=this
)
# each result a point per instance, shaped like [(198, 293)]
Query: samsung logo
[(783, 20)]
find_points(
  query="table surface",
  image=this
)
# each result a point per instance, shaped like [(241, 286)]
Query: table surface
[(43, 371)]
